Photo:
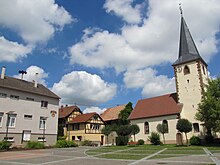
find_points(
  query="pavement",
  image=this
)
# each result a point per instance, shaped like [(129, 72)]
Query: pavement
[(77, 156)]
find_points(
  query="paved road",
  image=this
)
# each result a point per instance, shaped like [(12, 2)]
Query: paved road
[(77, 156)]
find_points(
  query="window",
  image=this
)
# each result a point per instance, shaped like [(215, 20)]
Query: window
[(166, 123), (1, 118), (9, 139), (73, 138), (29, 99), (79, 137), (14, 97), (203, 68), (94, 126), (41, 139), (44, 104), (26, 135), (196, 127), (29, 117), (42, 124), (146, 128), (186, 70), (76, 126), (11, 120), (4, 95)]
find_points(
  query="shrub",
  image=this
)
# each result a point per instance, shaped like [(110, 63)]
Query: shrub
[(195, 140), (209, 139), (61, 144), (4, 145), (61, 137), (154, 138), (34, 145), (65, 144), (71, 144), (121, 140), (140, 142), (86, 143)]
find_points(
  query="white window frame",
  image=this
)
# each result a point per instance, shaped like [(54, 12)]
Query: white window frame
[(28, 117), (26, 135), (3, 95), (11, 120), (42, 123), (44, 104), (9, 139), (1, 118), (41, 139), (14, 97)]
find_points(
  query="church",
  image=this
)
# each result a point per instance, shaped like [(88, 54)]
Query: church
[(191, 76)]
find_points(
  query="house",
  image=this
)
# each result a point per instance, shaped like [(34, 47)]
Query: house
[(110, 117), (30, 109), (66, 114), (86, 127), (191, 76)]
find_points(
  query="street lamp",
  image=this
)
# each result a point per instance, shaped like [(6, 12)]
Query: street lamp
[(7, 123), (44, 123)]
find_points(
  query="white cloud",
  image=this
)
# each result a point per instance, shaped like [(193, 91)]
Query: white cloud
[(35, 21), (151, 83), (31, 75), (155, 41), (12, 51), (84, 88), (94, 109), (124, 9)]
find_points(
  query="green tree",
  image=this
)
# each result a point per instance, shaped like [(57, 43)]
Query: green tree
[(106, 131), (162, 128), (134, 130), (209, 108), (183, 125), (124, 114)]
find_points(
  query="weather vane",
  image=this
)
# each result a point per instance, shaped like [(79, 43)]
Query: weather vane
[(180, 7)]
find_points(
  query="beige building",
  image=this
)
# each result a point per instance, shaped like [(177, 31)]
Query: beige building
[(191, 76), (86, 127), (30, 109)]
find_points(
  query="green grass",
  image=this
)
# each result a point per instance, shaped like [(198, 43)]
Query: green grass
[(138, 152)]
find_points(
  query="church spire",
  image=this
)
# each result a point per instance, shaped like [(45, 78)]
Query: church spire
[(187, 48)]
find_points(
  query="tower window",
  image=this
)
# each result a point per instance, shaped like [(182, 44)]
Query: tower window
[(186, 70), (196, 127), (203, 68), (188, 80)]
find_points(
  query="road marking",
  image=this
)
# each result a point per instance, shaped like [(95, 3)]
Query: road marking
[(214, 159), (150, 156)]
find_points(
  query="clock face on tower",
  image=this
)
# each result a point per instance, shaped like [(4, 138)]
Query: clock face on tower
[(179, 69)]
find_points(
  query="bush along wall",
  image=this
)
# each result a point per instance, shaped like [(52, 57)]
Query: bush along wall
[(122, 140)]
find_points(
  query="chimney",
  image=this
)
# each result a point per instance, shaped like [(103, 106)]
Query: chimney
[(35, 82), (3, 72)]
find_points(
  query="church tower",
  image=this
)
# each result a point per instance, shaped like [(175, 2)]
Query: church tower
[(191, 75)]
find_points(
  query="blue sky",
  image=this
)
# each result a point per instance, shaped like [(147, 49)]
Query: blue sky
[(100, 53)]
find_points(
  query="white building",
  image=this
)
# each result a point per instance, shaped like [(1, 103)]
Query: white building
[(30, 109), (191, 75)]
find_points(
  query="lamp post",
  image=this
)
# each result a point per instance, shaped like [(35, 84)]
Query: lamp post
[(44, 123), (7, 123)]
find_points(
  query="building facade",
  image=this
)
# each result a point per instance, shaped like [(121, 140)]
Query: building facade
[(191, 76), (28, 111)]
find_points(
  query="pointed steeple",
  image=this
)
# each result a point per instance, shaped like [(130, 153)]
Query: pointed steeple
[(187, 48)]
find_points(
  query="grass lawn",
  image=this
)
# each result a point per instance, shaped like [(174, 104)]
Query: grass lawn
[(142, 151)]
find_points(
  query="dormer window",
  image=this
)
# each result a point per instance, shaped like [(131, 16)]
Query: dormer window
[(186, 70)]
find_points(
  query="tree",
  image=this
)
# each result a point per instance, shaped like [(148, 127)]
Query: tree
[(106, 131), (183, 125), (134, 130), (162, 128), (124, 114), (209, 108)]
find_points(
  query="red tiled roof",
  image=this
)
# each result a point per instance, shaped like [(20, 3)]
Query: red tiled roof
[(66, 111), (112, 113), (83, 118), (156, 106)]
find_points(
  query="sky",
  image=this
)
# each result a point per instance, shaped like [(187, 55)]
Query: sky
[(98, 54)]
